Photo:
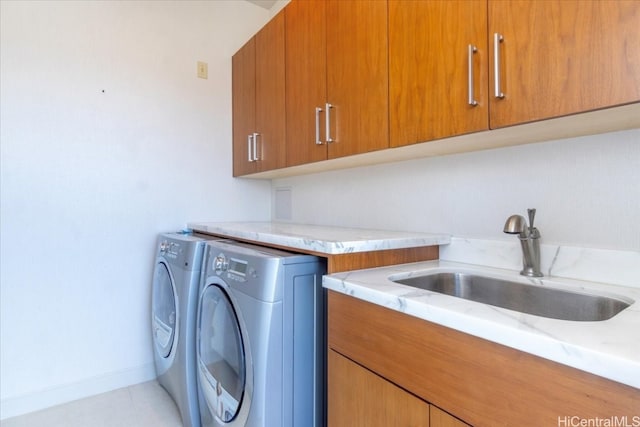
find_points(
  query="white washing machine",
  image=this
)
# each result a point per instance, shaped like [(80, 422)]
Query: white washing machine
[(260, 338), (174, 306)]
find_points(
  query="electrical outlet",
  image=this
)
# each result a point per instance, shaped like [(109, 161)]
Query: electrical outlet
[(283, 204), (203, 71)]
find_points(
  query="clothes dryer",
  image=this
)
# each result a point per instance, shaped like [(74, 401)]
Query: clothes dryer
[(260, 338), (174, 305)]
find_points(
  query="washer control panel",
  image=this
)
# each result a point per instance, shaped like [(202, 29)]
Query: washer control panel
[(172, 249)]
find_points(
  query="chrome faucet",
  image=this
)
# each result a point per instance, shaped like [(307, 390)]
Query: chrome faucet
[(529, 240)]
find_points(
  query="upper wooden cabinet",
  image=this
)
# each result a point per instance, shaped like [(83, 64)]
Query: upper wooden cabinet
[(327, 79), (259, 102), (437, 69), (244, 112), (440, 418), (306, 70), (561, 57), (358, 76), (336, 78), (544, 59)]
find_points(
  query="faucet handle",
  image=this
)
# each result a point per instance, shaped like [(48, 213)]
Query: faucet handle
[(532, 214)]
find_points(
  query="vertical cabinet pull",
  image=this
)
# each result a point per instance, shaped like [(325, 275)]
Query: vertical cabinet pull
[(497, 39), (318, 111), (470, 51), (255, 147), (250, 148), (327, 122)]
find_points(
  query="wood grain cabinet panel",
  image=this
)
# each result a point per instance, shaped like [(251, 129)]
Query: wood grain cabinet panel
[(357, 76), (438, 84), (336, 53), (360, 398), (439, 418), (306, 79), (400, 72), (478, 381), (563, 57), (270, 94), (243, 100), (258, 86)]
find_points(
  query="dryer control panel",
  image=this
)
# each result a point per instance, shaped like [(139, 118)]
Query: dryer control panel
[(233, 268), (256, 271), (220, 264)]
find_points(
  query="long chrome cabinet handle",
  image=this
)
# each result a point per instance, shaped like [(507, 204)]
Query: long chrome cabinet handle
[(255, 147), (318, 111), (250, 148), (497, 39), (327, 122), (471, 50)]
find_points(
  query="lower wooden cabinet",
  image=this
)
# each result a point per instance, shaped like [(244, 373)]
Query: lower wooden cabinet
[(384, 366), (359, 397)]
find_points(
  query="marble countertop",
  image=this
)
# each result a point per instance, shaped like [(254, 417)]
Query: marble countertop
[(609, 348), (320, 239)]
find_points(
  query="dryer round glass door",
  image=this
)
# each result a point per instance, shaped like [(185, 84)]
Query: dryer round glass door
[(163, 306), (221, 356)]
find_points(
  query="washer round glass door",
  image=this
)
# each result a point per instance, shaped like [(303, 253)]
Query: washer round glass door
[(163, 306), (221, 355)]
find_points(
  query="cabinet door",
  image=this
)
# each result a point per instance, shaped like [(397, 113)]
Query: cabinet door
[(440, 418), (357, 76), (244, 114), (270, 103), (437, 69), (563, 56), (306, 80), (360, 398)]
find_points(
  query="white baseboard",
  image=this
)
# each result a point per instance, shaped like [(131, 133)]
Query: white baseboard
[(41, 399)]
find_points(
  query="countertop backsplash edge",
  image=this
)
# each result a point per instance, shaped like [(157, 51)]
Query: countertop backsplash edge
[(570, 262)]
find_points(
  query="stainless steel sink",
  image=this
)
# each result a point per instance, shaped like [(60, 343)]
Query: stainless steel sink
[(539, 300)]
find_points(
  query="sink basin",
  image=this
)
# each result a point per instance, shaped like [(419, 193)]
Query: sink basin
[(539, 300)]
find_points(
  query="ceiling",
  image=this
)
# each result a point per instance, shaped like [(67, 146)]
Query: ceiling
[(267, 4)]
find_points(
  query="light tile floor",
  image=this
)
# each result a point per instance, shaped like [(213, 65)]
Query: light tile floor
[(140, 405)]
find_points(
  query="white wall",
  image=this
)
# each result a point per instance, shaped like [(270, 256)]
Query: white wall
[(107, 139), (586, 191)]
